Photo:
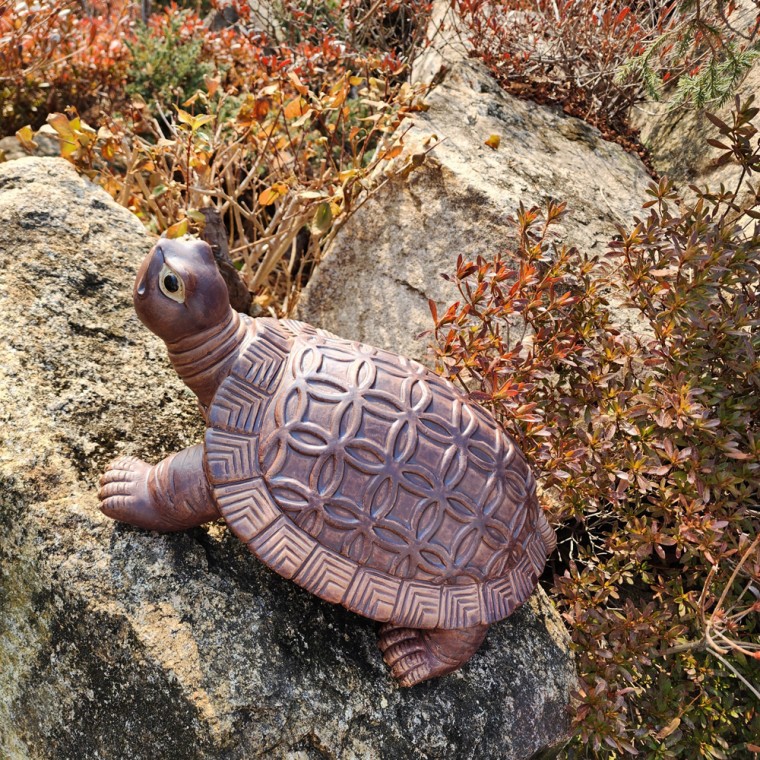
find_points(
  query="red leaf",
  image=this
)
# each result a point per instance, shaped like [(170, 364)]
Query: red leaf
[(721, 125), (433, 309)]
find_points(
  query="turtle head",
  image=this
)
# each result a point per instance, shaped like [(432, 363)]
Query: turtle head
[(179, 291)]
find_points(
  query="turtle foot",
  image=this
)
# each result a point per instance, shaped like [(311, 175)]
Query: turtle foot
[(172, 495), (124, 493), (415, 655)]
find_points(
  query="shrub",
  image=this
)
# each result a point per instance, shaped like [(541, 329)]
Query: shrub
[(282, 139), (597, 60), (647, 449), (166, 62), (53, 55), (283, 171), (706, 50), (392, 28)]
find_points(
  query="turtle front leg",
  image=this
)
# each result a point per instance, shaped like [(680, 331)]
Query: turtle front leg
[(417, 654), (172, 495)]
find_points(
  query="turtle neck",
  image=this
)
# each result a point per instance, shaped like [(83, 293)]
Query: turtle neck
[(203, 360)]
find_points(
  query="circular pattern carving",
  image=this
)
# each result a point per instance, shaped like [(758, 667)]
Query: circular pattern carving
[(390, 466)]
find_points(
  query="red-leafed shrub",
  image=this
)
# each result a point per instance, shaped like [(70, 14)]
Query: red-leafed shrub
[(598, 59), (647, 449), (53, 55), (395, 31)]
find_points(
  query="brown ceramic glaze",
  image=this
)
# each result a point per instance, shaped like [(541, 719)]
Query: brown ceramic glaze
[(359, 474)]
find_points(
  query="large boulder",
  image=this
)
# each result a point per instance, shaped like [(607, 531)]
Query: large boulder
[(386, 261), (117, 642)]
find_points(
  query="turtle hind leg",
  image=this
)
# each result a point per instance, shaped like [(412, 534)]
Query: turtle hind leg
[(416, 654), (172, 495)]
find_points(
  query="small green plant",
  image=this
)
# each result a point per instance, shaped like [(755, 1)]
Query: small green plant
[(706, 50), (167, 64), (647, 449)]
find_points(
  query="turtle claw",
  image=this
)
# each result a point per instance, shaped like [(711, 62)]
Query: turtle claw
[(406, 654), (123, 492), (415, 655)]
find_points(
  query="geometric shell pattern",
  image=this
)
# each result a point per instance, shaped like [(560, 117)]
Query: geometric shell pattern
[(373, 482)]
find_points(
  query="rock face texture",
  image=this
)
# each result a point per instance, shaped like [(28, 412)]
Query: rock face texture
[(394, 248), (116, 642)]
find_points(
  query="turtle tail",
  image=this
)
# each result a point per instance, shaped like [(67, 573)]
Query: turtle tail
[(547, 532)]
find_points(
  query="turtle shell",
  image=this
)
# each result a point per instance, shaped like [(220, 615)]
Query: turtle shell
[(372, 482)]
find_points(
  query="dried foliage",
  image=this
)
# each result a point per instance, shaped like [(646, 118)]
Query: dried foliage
[(284, 139), (647, 449), (598, 59), (54, 55), (396, 29)]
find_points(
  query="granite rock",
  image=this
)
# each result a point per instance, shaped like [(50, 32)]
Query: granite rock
[(117, 642), (676, 138), (386, 261)]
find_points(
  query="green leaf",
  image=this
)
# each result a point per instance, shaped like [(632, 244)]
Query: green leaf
[(194, 122), (322, 219)]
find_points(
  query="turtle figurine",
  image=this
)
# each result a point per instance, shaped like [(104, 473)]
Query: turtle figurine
[(359, 474)]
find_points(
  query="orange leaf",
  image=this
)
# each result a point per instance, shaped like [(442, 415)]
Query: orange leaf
[(261, 108), (268, 197), (271, 194), (396, 150), (60, 124), (177, 230), (297, 83), (433, 310), (294, 108), (212, 84)]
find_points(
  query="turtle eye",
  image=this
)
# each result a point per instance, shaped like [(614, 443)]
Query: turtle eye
[(171, 285)]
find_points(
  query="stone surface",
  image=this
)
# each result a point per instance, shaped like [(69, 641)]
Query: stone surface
[(10, 149), (447, 44), (386, 261), (120, 643)]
